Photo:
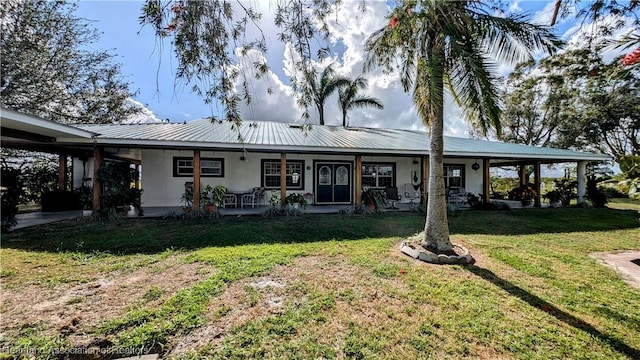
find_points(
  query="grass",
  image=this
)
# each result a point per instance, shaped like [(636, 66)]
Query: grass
[(346, 292)]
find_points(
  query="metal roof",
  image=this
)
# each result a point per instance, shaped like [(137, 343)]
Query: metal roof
[(276, 136)]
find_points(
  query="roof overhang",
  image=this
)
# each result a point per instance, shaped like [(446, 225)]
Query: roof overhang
[(22, 128)]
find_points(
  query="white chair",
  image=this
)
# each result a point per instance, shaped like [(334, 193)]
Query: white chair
[(252, 198), (230, 200), (412, 194)]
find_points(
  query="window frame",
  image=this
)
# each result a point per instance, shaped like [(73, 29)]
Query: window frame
[(462, 168), (377, 165), (176, 168), (263, 176)]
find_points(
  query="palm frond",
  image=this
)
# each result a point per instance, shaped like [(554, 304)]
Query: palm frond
[(514, 38), (367, 102)]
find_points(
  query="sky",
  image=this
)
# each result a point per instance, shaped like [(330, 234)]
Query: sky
[(150, 66)]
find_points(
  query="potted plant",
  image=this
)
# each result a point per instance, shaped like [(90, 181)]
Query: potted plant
[(297, 200), (212, 197), (555, 198), (217, 195), (374, 199), (524, 193)]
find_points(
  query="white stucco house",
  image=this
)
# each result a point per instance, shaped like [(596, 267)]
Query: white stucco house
[(331, 164)]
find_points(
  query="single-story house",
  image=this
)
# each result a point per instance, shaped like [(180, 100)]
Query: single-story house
[(330, 164)]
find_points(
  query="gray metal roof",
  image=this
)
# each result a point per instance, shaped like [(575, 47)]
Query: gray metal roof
[(276, 136)]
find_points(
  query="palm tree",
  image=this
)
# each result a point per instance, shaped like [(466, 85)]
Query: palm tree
[(348, 98), (451, 44), (324, 87)]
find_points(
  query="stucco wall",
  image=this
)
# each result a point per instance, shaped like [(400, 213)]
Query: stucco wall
[(161, 188)]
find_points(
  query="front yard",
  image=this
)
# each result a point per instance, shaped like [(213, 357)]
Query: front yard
[(322, 286)]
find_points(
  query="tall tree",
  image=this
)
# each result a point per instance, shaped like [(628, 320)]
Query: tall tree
[(451, 44), (323, 86), (48, 70), (574, 100), (348, 98), (209, 37)]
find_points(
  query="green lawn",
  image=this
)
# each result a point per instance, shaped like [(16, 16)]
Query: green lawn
[(323, 286)]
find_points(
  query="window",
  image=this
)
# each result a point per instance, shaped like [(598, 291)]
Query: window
[(453, 175), (271, 171), (209, 167), (378, 175)]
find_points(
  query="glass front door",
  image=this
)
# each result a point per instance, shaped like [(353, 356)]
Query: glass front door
[(333, 183)]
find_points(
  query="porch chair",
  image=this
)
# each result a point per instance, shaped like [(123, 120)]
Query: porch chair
[(393, 196), (411, 194), (457, 196), (252, 198), (230, 200)]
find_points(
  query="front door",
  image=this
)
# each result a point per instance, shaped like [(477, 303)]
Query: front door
[(333, 183)]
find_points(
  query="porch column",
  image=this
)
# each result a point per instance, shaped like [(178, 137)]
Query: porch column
[(358, 175), (283, 178), (582, 171), (62, 172), (98, 160), (522, 173), (425, 170), (486, 181), (196, 178), (137, 183), (536, 182)]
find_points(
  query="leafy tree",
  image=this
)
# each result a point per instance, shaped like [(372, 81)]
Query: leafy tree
[(574, 100), (48, 70), (451, 44), (535, 105), (323, 87), (348, 98), (206, 33)]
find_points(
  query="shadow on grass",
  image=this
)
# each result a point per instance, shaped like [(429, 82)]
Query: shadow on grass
[(551, 309), (149, 236)]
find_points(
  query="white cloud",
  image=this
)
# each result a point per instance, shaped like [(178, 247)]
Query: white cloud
[(145, 116), (350, 28), (279, 106)]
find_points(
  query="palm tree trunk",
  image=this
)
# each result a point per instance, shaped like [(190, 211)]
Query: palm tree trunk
[(436, 236), (344, 118), (321, 115)]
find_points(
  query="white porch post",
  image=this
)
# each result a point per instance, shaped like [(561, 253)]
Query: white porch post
[(582, 171)]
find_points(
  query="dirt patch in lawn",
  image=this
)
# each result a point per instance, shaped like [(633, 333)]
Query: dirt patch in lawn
[(360, 297), (75, 311)]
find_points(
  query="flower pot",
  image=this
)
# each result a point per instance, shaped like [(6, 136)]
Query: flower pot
[(87, 212), (526, 203), (209, 208)]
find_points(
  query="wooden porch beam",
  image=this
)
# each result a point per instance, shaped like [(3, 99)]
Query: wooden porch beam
[(137, 183), (522, 173), (98, 160), (283, 178), (196, 178), (62, 172), (358, 174), (536, 183), (486, 181)]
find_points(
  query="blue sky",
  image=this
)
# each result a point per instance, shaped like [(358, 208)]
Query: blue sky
[(150, 69)]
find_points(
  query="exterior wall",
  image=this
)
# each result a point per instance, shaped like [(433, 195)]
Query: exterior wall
[(161, 188)]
